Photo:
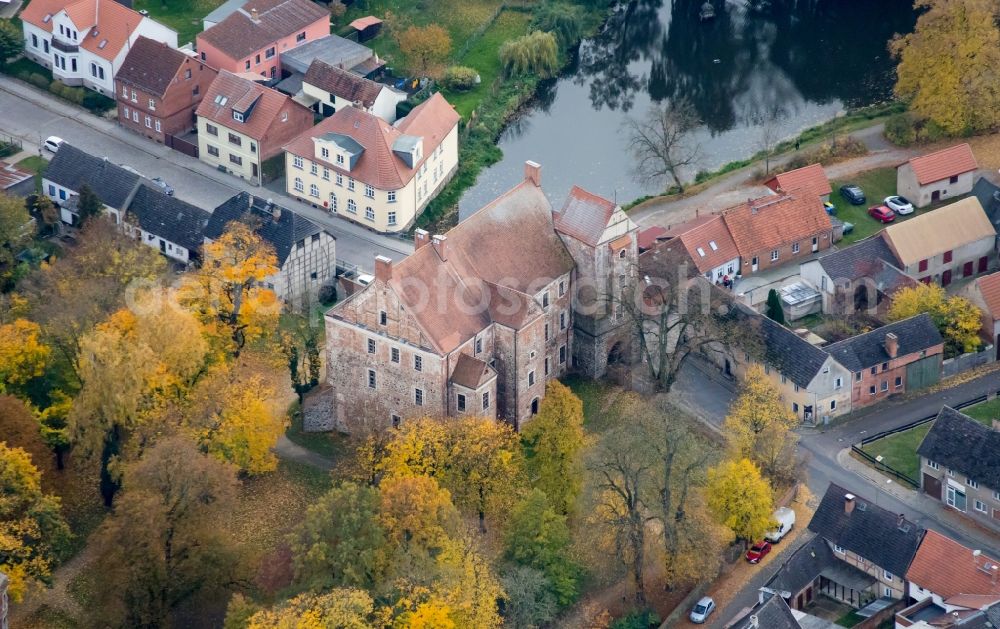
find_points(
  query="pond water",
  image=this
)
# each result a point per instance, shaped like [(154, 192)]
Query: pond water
[(807, 59)]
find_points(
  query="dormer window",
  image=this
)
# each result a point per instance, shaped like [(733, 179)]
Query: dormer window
[(340, 159), (237, 116), (325, 152)]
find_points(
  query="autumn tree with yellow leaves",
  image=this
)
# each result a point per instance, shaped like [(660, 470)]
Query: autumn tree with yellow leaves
[(340, 608), (554, 441), (23, 355), (957, 318), (741, 499), (761, 428)]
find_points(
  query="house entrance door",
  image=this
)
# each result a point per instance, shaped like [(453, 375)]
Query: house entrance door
[(956, 498), (946, 278)]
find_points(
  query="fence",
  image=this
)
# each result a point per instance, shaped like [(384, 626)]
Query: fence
[(181, 145), (958, 364)]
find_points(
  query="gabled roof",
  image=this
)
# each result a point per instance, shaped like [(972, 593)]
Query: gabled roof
[(169, 218), (858, 260), (282, 232), (471, 372), (773, 613), (803, 566), (650, 236), (71, 168), (707, 240), (857, 353), (793, 356), (944, 229), (432, 120), (966, 446), (239, 92), (989, 288), (943, 164), (948, 568), (362, 23), (239, 35), (870, 531), (584, 216), (811, 177), (342, 83), (772, 222), (988, 194), (151, 65), (113, 23)]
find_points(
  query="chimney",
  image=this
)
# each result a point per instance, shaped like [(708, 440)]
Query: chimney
[(420, 238), (891, 344), (254, 16), (440, 243), (848, 503), (533, 172), (900, 520), (754, 621), (383, 268)]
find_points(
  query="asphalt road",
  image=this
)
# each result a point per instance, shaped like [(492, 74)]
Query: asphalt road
[(32, 115)]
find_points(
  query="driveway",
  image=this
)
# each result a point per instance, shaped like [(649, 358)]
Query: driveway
[(33, 115)]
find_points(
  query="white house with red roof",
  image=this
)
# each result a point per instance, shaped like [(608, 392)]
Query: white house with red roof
[(84, 42), (380, 175), (937, 176)]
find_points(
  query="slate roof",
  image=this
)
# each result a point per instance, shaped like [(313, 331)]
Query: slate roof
[(966, 446), (471, 372), (772, 222), (151, 65), (988, 194), (869, 530), (803, 566), (342, 83), (72, 168), (943, 164), (584, 216), (169, 217), (773, 613), (282, 233), (948, 568), (793, 356), (916, 334), (944, 229), (238, 35), (811, 177), (856, 261)]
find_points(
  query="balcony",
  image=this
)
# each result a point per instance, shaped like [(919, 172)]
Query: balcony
[(64, 47)]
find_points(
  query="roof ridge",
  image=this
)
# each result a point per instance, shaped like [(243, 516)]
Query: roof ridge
[(933, 153)]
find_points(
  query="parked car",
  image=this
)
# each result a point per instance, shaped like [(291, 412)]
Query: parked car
[(881, 214), (701, 610), (164, 186), (830, 208), (854, 194), (848, 228), (899, 205), (53, 142), (785, 518), (758, 551)]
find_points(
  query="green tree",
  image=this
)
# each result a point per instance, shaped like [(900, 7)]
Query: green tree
[(16, 229), (775, 311), (535, 53), (538, 536), (340, 542), (11, 40), (741, 499), (948, 65), (88, 204), (562, 19), (554, 441)]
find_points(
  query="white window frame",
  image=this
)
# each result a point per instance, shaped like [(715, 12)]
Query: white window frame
[(839, 549), (299, 186), (775, 255), (297, 162), (795, 247), (980, 506)]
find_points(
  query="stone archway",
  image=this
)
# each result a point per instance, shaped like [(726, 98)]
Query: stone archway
[(616, 355), (861, 298)]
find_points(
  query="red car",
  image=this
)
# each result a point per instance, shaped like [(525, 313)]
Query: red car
[(882, 214), (758, 551)]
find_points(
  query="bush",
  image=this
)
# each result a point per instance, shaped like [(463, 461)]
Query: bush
[(637, 620), (39, 80), (327, 294), (901, 129), (459, 78), (96, 102)]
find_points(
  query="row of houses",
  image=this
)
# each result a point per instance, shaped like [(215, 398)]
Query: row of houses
[(306, 253)]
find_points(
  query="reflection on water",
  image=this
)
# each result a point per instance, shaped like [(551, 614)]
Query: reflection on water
[(809, 59)]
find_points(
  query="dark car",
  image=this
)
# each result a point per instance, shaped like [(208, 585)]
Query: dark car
[(854, 194), (882, 214), (758, 551)]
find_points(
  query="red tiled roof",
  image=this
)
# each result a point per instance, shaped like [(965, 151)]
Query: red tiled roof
[(772, 222), (989, 287), (378, 166), (948, 568), (115, 23), (11, 175), (470, 372), (362, 23), (943, 164), (649, 236), (239, 35), (811, 177), (584, 216), (699, 239), (241, 91)]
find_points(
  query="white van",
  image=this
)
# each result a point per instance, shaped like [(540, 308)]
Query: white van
[(785, 518), (53, 142)]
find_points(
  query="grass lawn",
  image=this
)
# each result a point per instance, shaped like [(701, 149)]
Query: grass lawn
[(484, 58), (184, 16), (330, 444), (849, 620), (35, 164), (877, 184)]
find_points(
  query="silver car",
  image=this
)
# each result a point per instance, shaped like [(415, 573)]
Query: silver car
[(899, 205), (702, 609)]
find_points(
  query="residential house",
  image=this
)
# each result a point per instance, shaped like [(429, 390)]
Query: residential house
[(379, 175), (937, 176), (984, 292), (15, 181), (811, 177), (71, 169), (777, 230), (801, 579), (158, 89), (949, 580), (305, 252), (773, 613), (960, 466), (952, 242), (874, 546), (902, 356), (861, 278), (242, 125), (709, 245), (166, 223), (253, 37), (85, 42), (332, 88), (475, 321)]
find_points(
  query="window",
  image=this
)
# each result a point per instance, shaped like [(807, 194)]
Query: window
[(884, 386), (300, 37), (546, 365), (149, 122), (314, 190), (774, 255), (72, 64), (299, 186), (562, 320), (972, 483), (795, 407), (369, 191), (52, 190), (479, 346), (125, 111), (833, 405), (314, 169), (947, 256), (125, 91), (839, 382), (953, 179), (461, 402), (382, 317), (996, 495), (545, 299), (235, 139), (562, 354), (297, 162), (324, 152), (157, 125), (212, 129), (857, 376), (795, 247), (885, 366), (887, 591), (899, 382), (980, 506), (371, 346), (418, 363), (546, 331), (152, 104), (839, 549), (871, 390), (236, 159), (874, 370), (418, 397), (34, 40), (340, 159), (340, 179), (531, 377), (396, 420), (326, 174), (486, 400), (213, 150), (333, 202), (369, 213), (933, 465), (922, 266), (256, 60), (269, 53), (951, 472), (371, 378), (187, 74), (391, 196), (796, 388), (247, 64), (562, 288), (62, 194), (350, 183), (392, 218), (352, 207)]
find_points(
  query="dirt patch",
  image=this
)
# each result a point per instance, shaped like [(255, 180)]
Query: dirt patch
[(987, 151)]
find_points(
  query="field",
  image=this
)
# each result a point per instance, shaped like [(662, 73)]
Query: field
[(184, 16)]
